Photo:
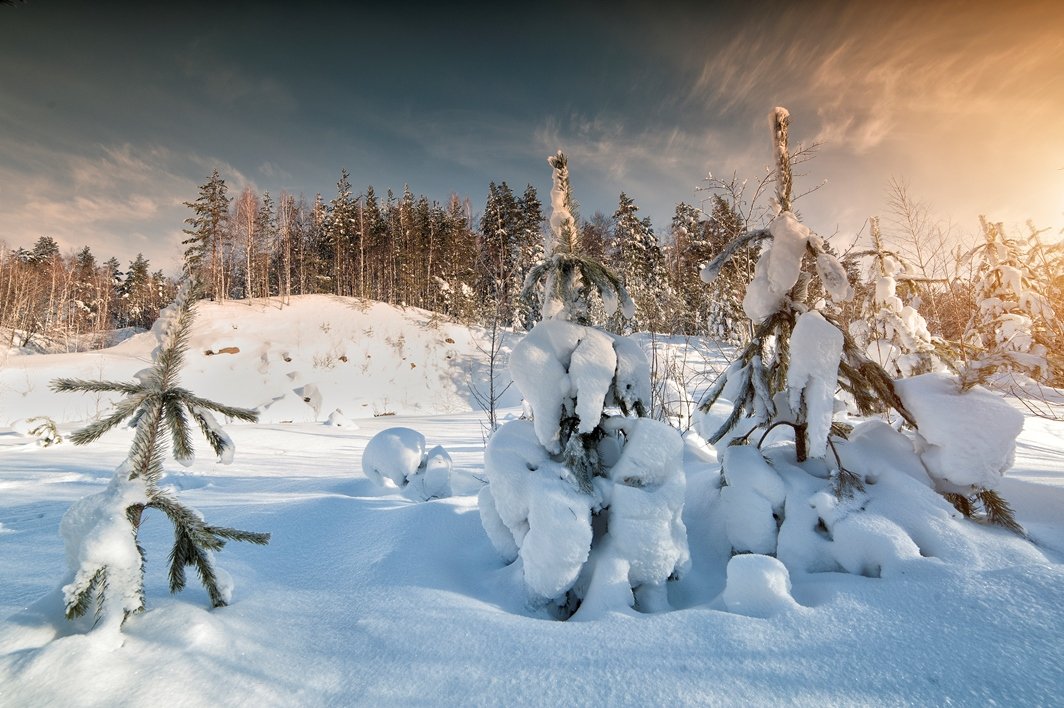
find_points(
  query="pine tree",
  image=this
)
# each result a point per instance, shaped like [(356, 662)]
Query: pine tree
[(799, 355), (340, 234), (496, 255), (107, 562), (566, 273), (892, 334), (549, 477), (528, 251), (208, 234), (634, 251), (776, 298), (136, 296)]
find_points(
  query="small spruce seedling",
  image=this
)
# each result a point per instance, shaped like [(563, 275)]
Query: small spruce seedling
[(100, 531)]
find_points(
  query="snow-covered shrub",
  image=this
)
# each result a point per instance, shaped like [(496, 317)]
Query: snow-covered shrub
[(892, 334), (587, 498), (399, 455), (100, 531), (1009, 332), (41, 428), (863, 505)]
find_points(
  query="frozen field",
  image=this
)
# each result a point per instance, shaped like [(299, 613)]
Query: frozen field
[(365, 597)]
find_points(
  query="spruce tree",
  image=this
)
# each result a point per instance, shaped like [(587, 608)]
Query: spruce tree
[(208, 233), (100, 531), (570, 491), (769, 385)]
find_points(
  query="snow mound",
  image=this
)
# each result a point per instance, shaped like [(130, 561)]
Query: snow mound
[(337, 419), (758, 586), (967, 440), (98, 538), (399, 456), (895, 524)]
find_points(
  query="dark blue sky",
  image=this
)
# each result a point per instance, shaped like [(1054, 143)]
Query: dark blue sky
[(113, 113)]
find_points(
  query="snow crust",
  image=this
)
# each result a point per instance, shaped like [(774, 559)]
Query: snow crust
[(967, 440)]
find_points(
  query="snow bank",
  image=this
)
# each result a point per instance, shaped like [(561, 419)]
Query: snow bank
[(363, 357), (967, 440)]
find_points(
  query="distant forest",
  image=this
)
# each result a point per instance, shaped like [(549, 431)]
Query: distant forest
[(412, 252), (401, 249)]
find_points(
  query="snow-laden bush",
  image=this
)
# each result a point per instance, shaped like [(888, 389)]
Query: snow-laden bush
[(41, 428), (100, 531), (1009, 331), (892, 334), (586, 497), (399, 455), (871, 504)]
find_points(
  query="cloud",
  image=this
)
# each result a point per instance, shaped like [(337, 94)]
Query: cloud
[(118, 199)]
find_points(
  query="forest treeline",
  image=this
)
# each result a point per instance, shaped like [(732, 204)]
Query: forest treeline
[(407, 250)]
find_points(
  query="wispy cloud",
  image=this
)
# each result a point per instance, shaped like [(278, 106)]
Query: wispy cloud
[(117, 199)]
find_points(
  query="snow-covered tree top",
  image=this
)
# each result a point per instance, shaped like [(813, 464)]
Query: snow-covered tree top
[(562, 236)]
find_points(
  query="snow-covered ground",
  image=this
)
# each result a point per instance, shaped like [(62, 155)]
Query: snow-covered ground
[(367, 597)]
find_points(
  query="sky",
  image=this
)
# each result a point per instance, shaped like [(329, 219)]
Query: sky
[(112, 114)]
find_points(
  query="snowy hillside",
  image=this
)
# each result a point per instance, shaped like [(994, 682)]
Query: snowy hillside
[(366, 597), (362, 357)]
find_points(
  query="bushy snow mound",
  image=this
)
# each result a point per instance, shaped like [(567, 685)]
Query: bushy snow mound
[(399, 455), (897, 525), (531, 511), (758, 586), (967, 440)]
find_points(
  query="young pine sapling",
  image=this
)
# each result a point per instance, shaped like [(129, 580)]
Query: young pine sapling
[(100, 531)]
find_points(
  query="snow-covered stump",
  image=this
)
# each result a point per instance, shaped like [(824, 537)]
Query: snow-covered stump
[(399, 456)]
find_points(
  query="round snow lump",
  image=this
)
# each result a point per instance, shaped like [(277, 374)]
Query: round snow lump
[(395, 454), (757, 586)]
